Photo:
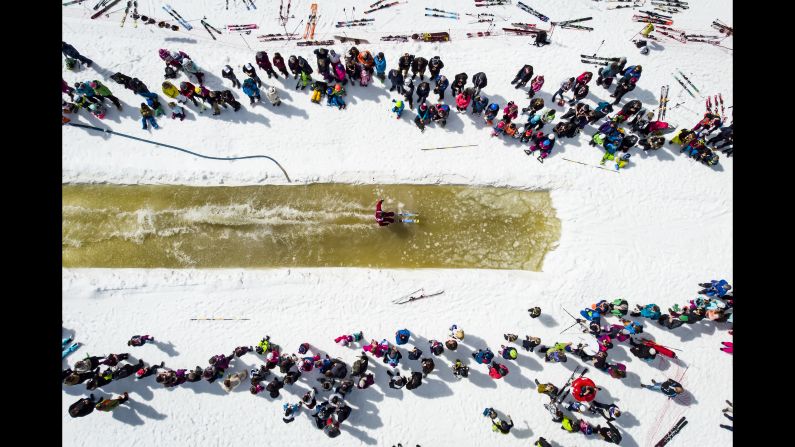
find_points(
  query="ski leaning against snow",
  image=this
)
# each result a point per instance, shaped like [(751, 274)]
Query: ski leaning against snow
[(689, 81), (683, 85), (672, 432), (532, 11), (178, 17), (105, 9), (126, 12)]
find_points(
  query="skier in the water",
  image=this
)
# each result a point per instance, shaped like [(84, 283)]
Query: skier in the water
[(382, 217)]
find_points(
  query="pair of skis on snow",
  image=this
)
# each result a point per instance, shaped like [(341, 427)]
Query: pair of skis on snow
[(680, 424), (434, 12), (67, 348), (416, 295)]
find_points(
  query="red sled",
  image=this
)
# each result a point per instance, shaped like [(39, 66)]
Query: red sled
[(660, 348)]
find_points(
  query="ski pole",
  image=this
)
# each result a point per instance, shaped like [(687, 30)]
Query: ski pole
[(575, 324), (600, 47)]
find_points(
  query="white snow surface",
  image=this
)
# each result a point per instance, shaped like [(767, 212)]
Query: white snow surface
[(648, 234)]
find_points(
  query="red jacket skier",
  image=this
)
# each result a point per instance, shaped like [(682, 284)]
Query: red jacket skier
[(382, 217)]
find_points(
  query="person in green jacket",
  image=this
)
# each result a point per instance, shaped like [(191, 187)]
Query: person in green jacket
[(103, 91), (111, 404)]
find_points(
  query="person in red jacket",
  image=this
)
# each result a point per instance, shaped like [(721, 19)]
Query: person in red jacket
[(382, 217)]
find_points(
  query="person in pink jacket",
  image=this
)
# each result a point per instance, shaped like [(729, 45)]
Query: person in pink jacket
[(510, 112), (462, 102), (535, 85)]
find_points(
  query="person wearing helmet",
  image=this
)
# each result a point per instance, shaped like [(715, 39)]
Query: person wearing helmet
[(273, 96), (491, 112)]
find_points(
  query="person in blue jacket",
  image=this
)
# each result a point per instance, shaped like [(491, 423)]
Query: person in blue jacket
[(402, 336), (423, 116), (650, 311), (633, 71), (719, 288), (491, 112), (251, 90), (591, 315), (479, 104), (483, 356), (441, 86), (380, 66)]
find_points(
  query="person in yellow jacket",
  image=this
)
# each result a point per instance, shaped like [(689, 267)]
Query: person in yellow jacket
[(173, 92)]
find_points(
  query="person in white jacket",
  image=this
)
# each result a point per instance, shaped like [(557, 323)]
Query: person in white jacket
[(272, 96), (233, 380)]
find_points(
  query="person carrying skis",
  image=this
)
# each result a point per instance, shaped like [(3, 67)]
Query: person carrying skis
[(111, 404), (382, 217), (523, 76), (670, 387)]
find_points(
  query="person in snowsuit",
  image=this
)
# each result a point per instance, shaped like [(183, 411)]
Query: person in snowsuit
[(233, 380), (480, 81), (264, 62), (462, 102), (502, 426), (534, 312), (278, 62), (523, 76), (111, 404), (393, 356), (508, 352), (544, 147), (396, 78), (274, 386), (670, 387), (75, 377), (273, 96), (102, 91), (70, 51), (491, 112), (565, 86), (397, 108), (459, 82), (441, 85), (382, 217), (147, 116), (323, 61), (404, 63)]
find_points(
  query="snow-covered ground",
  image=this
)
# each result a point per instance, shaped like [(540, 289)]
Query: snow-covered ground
[(647, 234)]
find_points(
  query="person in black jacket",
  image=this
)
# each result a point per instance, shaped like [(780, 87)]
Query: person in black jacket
[(404, 63), (523, 76), (415, 381), (624, 86), (264, 62), (228, 73), (418, 66), (458, 84), (292, 64), (70, 51), (480, 82), (396, 78), (435, 65), (251, 72), (422, 91), (323, 60), (303, 66), (82, 407)]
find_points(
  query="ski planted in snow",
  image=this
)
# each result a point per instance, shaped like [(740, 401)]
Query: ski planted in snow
[(672, 432), (126, 12), (104, 9), (722, 109), (532, 11), (309, 32)]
